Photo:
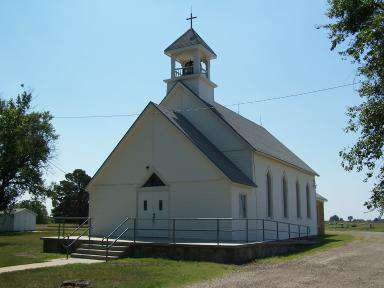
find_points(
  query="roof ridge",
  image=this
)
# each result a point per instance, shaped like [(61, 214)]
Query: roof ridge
[(166, 49), (212, 107), (188, 42), (244, 179)]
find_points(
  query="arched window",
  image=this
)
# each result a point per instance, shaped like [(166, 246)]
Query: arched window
[(298, 200), (269, 195), (285, 197), (308, 196)]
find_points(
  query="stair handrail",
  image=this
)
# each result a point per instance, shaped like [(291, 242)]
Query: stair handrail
[(66, 247), (114, 230), (113, 243), (73, 242), (78, 227)]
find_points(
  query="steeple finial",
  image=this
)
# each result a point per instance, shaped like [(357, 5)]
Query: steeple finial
[(191, 17)]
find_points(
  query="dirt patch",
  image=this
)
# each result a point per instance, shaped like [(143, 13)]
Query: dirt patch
[(357, 264)]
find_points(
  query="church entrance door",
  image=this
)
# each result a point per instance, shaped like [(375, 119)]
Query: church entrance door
[(153, 216)]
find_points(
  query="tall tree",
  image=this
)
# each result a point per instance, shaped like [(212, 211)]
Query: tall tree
[(334, 218), (26, 144), (357, 29), (69, 198), (36, 206)]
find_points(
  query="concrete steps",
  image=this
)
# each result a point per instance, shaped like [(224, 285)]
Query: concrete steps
[(97, 251), (94, 257)]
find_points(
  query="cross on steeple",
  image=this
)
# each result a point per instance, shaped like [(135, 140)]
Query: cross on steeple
[(191, 19)]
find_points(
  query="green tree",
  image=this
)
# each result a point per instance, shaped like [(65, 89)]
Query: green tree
[(334, 218), (357, 30), (36, 206), (26, 144), (69, 198)]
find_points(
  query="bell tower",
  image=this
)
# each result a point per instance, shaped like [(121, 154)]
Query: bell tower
[(190, 64)]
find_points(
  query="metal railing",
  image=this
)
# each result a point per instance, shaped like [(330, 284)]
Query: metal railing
[(107, 237), (188, 71), (84, 224), (210, 230), (183, 71)]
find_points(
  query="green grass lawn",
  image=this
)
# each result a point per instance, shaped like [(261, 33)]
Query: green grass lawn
[(356, 226), (323, 243), (18, 248), (145, 272), (120, 273)]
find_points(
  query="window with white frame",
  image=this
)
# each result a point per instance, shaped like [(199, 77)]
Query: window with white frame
[(242, 206), (285, 197), (269, 195), (308, 196), (298, 200)]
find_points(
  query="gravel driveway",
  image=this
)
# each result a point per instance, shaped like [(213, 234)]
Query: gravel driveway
[(357, 264)]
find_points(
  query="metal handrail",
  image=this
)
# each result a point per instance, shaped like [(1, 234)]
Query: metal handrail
[(88, 219), (73, 242), (188, 70), (78, 227), (114, 230), (69, 218), (265, 222), (113, 243), (267, 226)]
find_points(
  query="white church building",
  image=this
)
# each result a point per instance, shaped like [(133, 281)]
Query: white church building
[(192, 168)]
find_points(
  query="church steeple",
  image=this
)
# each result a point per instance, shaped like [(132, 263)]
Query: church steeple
[(190, 63)]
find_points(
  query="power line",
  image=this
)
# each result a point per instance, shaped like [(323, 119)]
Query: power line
[(57, 167), (294, 95), (234, 104)]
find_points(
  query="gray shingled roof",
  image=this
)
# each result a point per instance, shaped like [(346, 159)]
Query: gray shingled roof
[(189, 38), (255, 135), (260, 138), (203, 144)]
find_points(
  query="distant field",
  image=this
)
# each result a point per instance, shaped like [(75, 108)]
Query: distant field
[(356, 226), (53, 227)]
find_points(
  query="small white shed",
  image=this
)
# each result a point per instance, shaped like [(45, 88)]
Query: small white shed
[(20, 219)]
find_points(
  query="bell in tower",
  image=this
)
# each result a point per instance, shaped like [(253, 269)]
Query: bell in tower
[(187, 68), (190, 63)]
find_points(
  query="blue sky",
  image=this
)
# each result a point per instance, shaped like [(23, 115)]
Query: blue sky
[(106, 57)]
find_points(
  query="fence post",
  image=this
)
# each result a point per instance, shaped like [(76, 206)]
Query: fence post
[(58, 236), (134, 230), (277, 230), (307, 232), (174, 230), (263, 230), (217, 231), (64, 228), (289, 230), (299, 231), (247, 230), (67, 247), (106, 250), (89, 232)]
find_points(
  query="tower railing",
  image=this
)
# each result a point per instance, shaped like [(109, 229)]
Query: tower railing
[(188, 70)]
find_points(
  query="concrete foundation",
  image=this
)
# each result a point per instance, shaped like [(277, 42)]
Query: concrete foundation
[(236, 253)]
